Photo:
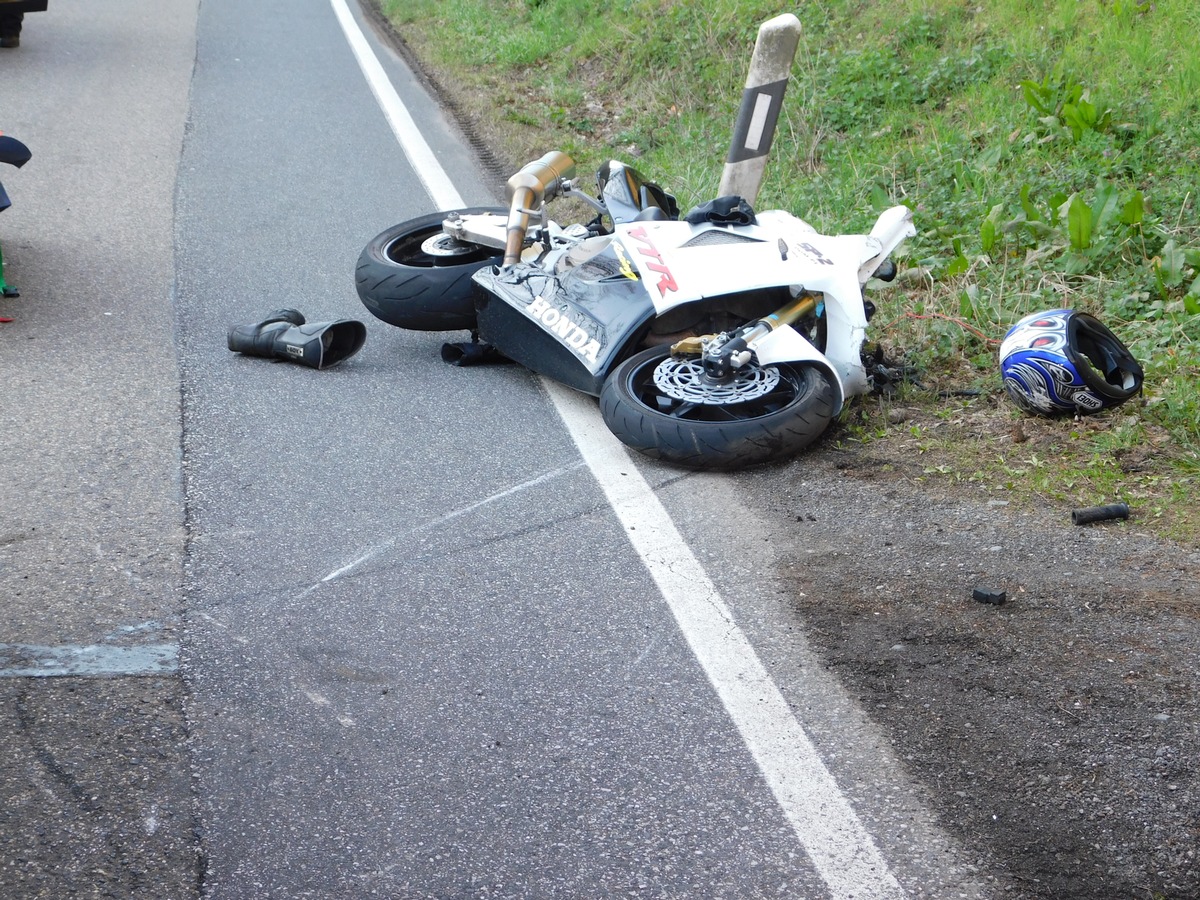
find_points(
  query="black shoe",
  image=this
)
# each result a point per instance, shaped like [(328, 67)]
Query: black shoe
[(10, 27)]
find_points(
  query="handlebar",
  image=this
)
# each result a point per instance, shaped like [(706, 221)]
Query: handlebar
[(537, 182)]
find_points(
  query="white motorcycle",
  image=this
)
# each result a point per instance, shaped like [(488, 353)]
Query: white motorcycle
[(722, 339)]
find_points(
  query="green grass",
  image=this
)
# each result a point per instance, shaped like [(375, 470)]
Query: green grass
[(1049, 151)]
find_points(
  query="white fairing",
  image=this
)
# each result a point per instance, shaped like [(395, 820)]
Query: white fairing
[(678, 263), (786, 344), (891, 228)]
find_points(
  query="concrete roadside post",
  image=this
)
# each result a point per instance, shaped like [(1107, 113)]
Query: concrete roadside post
[(762, 100)]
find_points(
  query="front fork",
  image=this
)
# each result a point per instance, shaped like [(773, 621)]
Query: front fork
[(723, 354)]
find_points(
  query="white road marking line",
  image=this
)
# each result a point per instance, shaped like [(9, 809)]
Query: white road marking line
[(87, 660), (840, 848), (437, 183)]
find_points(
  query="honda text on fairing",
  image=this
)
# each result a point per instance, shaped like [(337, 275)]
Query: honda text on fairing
[(722, 339)]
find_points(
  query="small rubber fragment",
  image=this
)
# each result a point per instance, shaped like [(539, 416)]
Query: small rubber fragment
[(989, 595)]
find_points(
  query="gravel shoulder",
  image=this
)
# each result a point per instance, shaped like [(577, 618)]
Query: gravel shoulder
[(1056, 732)]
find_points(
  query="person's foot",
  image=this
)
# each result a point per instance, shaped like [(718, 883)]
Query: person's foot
[(10, 40)]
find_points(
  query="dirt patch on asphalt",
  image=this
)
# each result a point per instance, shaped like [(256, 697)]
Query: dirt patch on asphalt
[(1056, 731)]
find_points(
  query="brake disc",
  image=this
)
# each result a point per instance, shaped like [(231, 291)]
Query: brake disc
[(445, 246), (684, 380)]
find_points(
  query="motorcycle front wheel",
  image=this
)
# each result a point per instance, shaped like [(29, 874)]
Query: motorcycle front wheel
[(662, 407), (414, 276)]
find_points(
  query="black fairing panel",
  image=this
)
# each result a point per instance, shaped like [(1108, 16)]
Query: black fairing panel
[(572, 327)]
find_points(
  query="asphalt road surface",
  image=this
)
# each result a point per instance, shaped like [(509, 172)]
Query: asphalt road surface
[(390, 629)]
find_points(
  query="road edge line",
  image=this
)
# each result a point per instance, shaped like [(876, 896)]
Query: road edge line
[(424, 162), (840, 848)]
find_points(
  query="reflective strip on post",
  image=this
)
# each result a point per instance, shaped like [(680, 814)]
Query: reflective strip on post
[(762, 100), (755, 127)]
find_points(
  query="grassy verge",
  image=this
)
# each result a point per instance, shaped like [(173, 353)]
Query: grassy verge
[(1050, 157)]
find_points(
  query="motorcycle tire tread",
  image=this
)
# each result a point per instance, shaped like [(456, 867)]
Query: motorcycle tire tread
[(717, 445), (416, 297)]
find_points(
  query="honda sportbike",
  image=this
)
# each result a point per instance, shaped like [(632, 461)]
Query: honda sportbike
[(720, 339)]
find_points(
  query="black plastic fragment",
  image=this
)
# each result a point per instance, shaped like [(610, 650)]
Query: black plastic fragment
[(989, 595)]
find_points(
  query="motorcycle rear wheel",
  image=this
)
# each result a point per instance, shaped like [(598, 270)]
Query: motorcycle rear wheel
[(773, 425), (408, 277)]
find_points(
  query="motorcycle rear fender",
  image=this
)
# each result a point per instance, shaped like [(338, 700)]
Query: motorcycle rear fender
[(786, 345), (491, 230)]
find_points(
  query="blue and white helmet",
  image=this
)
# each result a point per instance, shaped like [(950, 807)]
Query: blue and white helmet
[(1062, 361)]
